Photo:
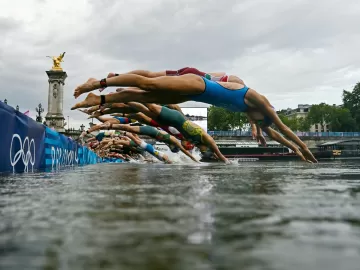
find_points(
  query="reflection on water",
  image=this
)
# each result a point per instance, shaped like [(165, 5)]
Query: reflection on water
[(137, 216)]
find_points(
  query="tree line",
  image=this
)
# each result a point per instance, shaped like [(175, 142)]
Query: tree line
[(343, 118)]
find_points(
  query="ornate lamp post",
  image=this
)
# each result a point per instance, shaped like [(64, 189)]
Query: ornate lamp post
[(5, 101), (82, 127), (39, 109)]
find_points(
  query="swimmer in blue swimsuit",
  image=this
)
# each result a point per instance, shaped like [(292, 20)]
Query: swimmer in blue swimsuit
[(178, 89)]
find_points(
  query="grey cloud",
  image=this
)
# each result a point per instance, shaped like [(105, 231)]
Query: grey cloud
[(7, 25), (213, 33), (271, 44)]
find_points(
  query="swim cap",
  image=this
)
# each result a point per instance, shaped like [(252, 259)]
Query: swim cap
[(187, 145)]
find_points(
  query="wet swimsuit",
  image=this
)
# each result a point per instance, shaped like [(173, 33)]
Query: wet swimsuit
[(99, 137), (124, 120), (190, 70), (187, 129), (150, 149), (218, 95), (156, 134), (149, 131)]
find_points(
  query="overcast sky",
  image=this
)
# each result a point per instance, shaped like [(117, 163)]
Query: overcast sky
[(298, 51)]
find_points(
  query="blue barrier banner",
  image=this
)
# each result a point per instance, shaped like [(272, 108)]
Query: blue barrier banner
[(21, 140), (26, 146), (62, 151)]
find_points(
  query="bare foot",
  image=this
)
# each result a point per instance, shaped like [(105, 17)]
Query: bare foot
[(86, 87), (89, 101)]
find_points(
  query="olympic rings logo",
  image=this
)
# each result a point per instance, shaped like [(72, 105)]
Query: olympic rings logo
[(27, 156)]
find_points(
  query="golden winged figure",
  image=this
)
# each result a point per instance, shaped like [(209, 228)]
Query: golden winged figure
[(57, 61)]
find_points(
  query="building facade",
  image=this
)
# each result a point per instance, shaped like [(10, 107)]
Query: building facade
[(301, 112)]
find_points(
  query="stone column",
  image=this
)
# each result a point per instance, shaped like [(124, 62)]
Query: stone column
[(54, 117)]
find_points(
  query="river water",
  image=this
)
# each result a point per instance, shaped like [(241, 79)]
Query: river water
[(252, 215)]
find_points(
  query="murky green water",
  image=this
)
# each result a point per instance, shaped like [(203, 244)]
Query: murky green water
[(125, 216)]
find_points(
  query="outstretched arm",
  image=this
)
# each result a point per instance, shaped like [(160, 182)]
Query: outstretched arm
[(276, 136), (259, 135), (102, 118), (264, 105), (211, 143), (253, 127)]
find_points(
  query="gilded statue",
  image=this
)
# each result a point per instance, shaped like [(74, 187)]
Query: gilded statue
[(57, 61)]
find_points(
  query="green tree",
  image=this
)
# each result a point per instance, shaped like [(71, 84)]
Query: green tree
[(303, 124), (237, 120), (351, 101), (222, 119), (339, 119), (292, 123), (342, 120), (320, 114), (217, 119)]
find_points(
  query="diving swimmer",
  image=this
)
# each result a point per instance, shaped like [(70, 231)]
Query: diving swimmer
[(117, 123), (191, 132), (178, 89)]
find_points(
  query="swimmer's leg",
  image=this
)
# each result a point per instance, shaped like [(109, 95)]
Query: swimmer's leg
[(131, 95), (188, 84)]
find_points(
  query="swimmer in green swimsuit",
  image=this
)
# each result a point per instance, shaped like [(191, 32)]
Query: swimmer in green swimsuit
[(192, 132), (178, 89)]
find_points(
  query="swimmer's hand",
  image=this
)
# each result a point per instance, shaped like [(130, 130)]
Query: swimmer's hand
[(299, 154), (309, 156), (254, 133), (227, 162), (261, 139), (305, 156)]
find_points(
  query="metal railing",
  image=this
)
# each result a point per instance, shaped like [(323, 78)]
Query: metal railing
[(238, 133)]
